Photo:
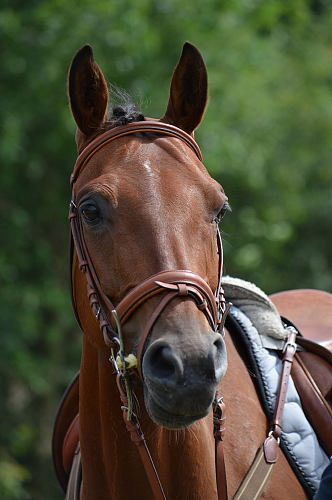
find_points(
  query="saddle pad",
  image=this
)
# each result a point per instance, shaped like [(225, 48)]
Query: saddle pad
[(298, 440)]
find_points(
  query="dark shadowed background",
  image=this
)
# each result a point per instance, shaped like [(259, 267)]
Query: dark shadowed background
[(266, 137)]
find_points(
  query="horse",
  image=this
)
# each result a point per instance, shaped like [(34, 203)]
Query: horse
[(146, 289)]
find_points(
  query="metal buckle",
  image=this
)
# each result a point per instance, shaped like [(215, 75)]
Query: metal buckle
[(98, 312), (112, 359), (290, 329), (292, 344), (277, 438)]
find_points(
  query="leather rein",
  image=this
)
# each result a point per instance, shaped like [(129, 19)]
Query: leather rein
[(172, 284)]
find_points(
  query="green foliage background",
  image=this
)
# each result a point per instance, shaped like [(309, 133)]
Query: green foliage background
[(266, 137)]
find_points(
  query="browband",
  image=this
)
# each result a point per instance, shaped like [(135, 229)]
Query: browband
[(131, 128)]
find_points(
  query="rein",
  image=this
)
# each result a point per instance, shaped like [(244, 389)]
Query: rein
[(172, 284)]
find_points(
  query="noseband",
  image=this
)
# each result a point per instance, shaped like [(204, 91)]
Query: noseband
[(171, 284)]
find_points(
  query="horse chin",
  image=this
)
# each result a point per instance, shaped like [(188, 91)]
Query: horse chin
[(168, 419)]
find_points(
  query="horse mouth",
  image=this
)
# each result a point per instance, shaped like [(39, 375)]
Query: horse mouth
[(169, 419)]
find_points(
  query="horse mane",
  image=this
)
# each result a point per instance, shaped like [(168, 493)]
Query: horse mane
[(124, 109)]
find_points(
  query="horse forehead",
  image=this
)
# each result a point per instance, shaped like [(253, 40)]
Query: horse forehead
[(157, 165), (158, 154)]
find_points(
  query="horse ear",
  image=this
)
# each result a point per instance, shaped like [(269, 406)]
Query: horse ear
[(88, 93), (188, 93)]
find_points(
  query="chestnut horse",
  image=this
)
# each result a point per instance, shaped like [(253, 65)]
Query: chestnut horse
[(146, 206)]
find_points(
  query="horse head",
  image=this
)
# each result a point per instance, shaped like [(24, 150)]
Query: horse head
[(146, 207)]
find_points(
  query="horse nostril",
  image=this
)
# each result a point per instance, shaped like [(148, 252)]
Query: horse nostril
[(219, 344), (161, 363), (219, 358)]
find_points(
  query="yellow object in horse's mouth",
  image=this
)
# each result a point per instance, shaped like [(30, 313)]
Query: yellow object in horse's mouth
[(130, 360)]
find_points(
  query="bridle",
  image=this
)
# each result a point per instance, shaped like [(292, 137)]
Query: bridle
[(172, 284)]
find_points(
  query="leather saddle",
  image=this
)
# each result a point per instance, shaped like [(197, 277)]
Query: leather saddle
[(310, 311)]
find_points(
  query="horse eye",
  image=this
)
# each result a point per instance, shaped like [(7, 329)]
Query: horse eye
[(225, 208), (90, 212)]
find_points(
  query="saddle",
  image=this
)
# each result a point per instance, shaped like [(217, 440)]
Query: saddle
[(311, 372)]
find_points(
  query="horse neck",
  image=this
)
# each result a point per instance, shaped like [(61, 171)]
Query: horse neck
[(112, 468)]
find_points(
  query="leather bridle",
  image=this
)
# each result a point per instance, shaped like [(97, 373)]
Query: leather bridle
[(173, 283), (170, 284)]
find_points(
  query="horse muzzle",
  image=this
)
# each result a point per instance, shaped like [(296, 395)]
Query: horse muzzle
[(181, 376)]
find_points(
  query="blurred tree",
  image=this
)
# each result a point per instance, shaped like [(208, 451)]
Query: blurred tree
[(266, 137)]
